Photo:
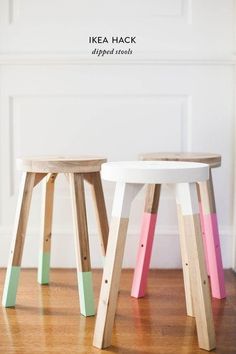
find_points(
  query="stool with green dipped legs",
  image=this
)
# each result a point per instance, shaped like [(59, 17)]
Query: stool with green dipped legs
[(45, 170)]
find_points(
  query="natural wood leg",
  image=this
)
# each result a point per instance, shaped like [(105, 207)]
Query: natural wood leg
[(82, 245), (124, 195), (22, 213), (212, 239), (187, 196), (47, 203), (38, 178), (146, 240), (203, 228), (185, 263), (94, 180)]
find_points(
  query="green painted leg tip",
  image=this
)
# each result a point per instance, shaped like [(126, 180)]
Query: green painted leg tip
[(43, 268), (88, 314), (85, 283), (10, 287)]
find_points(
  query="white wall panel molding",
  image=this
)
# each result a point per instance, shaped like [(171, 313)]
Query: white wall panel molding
[(13, 101), (13, 10), (181, 103), (82, 58), (32, 10), (11, 147)]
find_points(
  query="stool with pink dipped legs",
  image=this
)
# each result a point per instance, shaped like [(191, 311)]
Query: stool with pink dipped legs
[(208, 216)]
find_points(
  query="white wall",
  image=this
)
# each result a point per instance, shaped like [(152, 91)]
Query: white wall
[(176, 92)]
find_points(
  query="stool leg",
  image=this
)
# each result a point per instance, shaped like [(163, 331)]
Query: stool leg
[(39, 177), (22, 214), (84, 273), (124, 195), (185, 263), (94, 180), (146, 241), (187, 195), (212, 239), (203, 228), (44, 255)]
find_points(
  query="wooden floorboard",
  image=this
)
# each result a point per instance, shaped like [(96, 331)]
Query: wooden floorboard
[(47, 319)]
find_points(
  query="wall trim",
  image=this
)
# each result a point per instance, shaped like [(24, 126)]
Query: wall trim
[(65, 231), (63, 255), (81, 58)]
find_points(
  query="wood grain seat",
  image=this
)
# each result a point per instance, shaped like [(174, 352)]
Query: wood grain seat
[(59, 164), (130, 177), (45, 170), (213, 160), (209, 223)]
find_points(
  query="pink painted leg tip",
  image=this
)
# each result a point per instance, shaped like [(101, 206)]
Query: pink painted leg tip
[(137, 293), (144, 255), (214, 256)]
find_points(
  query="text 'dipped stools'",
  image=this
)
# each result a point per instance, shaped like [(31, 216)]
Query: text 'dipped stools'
[(130, 178), (45, 170)]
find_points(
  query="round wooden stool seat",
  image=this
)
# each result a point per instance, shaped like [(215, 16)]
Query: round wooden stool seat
[(59, 164), (213, 160)]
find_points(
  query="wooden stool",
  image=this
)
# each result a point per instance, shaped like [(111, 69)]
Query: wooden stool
[(209, 223), (47, 168), (129, 178)]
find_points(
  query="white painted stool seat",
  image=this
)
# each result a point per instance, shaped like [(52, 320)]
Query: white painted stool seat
[(130, 177), (157, 172)]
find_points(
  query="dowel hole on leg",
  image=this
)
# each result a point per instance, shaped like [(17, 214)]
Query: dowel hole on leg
[(106, 281), (142, 245)]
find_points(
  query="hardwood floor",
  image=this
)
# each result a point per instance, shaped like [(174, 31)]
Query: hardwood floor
[(47, 318)]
